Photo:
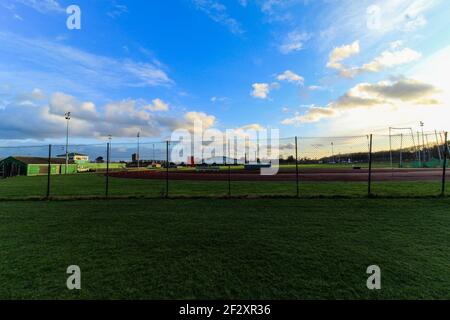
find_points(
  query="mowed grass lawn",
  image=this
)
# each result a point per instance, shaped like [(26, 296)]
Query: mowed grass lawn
[(225, 249), (83, 185)]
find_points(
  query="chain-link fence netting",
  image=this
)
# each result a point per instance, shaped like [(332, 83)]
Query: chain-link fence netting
[(137, 169), (402, 164), (331, 165), (446, 175), (412, 164)]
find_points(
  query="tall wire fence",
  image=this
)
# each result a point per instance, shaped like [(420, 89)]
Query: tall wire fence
[(400, 164)]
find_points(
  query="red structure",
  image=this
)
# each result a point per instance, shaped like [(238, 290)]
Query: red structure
[(191, 162)]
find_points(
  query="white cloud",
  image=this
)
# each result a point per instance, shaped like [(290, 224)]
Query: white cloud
[(341, 53), (415, 23), (396, 44), (366, 96), (197, 121), (315, 88), (261, 90), (387, 59), (279, 10), (158, 105), (433, 69), (43, 6), (313, 114), (64, 68), (350, 18), (294, 41), (413, 18), (32, 117), (291, 77), (33, 96), (247, 132), (218, 12), (405, 90), (117, 10), (219, 99), (61, 103), (253, 126)]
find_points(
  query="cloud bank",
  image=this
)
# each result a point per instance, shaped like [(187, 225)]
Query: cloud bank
[(366, 96)]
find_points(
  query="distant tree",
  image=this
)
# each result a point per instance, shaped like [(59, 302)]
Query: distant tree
[(290, 159), (99, 160)]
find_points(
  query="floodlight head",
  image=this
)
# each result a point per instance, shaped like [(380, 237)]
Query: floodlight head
[(67, 115)]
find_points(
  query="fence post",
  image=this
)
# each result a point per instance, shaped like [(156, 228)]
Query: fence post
[(49, 170), (108, 152), (370, 166), (167, 169), (446, 152), (229, 169), (296, 166)]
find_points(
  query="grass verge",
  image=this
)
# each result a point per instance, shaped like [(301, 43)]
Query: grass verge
[(226, 249)]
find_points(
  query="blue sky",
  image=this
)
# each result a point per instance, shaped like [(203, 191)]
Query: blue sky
[(313, 68)]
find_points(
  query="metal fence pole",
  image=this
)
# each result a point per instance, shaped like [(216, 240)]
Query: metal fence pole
[(49, 169), (108, 152), (446, 152), (167, 168), (296, 166), (229, 170), (370, 167)]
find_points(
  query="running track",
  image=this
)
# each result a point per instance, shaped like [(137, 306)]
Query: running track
[(318, 175)]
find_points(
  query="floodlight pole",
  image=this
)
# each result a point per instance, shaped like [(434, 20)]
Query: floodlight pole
[(110, 146), (245, 150), (296, 166), (446, 153), (49, 170), (108, 152), (67, 117), (370, 166), (229, 171), (423, 141), (332, 152), (138, 151), (438, 146), (401, 150), (167, 168), (257, 147), (203, 153), (390, 147), (418, 147)]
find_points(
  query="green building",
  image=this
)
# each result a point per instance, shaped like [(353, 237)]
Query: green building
[(34, 166)]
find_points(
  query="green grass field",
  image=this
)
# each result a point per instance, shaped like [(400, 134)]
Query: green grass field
[(84, 185), (226, 249), (102, 166)]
